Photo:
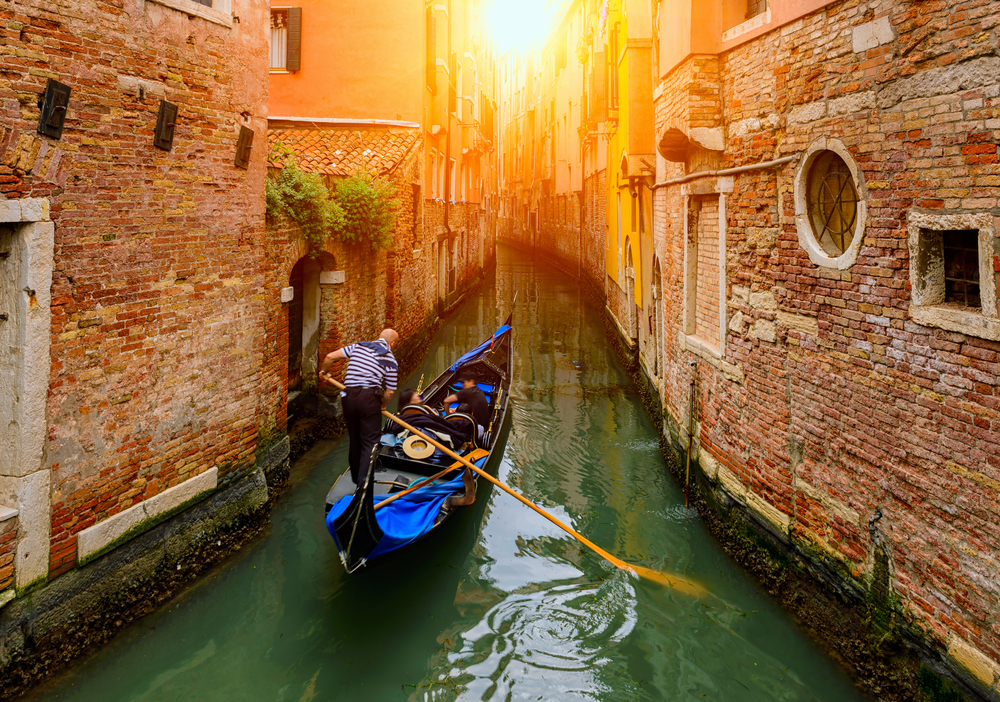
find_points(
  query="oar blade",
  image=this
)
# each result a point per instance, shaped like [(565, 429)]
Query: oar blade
[(675, 582)]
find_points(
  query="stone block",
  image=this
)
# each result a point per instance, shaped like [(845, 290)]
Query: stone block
[(768, 511), (763, 300), (287, 294), (710, 138), (978, 664), (849, 104), (92, 540), (332, 278), (741, 295), (764, 330), (809, 112), (871, 35), (799, 322)]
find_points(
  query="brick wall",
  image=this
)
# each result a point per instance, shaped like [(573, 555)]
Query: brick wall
[(595, 229), (157, 333), (831, 405), (8, 543), (705, 212)]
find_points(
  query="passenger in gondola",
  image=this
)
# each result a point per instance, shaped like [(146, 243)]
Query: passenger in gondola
[(409, 397), (471, 395)]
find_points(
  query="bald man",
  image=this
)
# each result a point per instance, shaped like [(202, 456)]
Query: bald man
[(371, 383)]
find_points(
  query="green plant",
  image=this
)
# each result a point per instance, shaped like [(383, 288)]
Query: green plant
[(368, 203), (303, 198)]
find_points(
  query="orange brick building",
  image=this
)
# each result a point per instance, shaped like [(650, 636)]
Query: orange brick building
[(347, 93)]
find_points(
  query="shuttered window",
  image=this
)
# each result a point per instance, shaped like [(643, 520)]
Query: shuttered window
[(294, 60), (286, 39)]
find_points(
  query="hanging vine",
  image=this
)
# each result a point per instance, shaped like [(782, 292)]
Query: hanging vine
[(303, 198)]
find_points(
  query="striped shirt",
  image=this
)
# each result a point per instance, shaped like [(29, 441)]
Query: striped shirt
[(367, 369)]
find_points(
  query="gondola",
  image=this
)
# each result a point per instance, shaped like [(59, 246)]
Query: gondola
[(404, 463)]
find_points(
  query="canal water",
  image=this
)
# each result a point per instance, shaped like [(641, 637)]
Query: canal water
[(501, 605)]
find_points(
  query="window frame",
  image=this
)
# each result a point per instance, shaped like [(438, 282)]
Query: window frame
[(223, 14), (808, 239), (927, 285)]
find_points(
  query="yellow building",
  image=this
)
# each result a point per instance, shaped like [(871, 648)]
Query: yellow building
[(625, 43)]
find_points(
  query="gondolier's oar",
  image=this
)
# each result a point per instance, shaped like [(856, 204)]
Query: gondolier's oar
[(678, 583)]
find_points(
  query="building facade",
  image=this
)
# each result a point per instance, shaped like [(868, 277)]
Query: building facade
[(133, 371), (806, 253), (361, 89)]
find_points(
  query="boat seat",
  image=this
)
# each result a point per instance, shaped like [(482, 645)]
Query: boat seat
[(462, 417), (415, 409)]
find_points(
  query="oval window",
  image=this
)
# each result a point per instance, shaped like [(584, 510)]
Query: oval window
[(833, 202)]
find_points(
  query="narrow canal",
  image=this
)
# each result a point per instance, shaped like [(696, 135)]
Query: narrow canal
[(501, 605)]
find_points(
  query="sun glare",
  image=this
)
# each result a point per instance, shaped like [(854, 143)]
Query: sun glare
[(516, 22)]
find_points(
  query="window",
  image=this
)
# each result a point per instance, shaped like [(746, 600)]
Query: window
[(951, 272), (286, 39), (833, 202), (961, 267), (830, 204)]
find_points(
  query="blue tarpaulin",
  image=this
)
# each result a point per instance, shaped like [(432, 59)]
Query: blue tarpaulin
[(481, 349), (408, 518)]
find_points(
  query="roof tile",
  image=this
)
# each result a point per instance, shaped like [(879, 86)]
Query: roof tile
[(344, 152)]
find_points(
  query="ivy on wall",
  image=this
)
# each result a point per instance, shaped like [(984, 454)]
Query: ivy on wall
[(369, 205), (362, 208)]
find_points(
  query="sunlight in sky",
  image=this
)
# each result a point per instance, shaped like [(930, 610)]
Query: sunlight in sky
[(516, 22)]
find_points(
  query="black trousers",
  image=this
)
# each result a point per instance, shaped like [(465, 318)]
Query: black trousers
[(363, 416)]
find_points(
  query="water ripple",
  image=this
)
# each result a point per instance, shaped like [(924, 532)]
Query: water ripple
[(534, 642)]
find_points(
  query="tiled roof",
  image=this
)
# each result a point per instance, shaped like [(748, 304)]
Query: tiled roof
[(343, 152)]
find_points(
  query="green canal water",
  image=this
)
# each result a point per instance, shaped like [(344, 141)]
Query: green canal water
[(501, 605)]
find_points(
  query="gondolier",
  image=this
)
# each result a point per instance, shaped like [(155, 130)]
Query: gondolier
[(370, 383)]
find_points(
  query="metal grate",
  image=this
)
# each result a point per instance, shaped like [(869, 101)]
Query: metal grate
[(961, 267)]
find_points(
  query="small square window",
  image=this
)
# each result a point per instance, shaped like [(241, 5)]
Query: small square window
[(951, 272), (961, 267)]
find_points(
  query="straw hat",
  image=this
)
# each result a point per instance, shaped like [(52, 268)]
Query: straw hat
[(417, 448)]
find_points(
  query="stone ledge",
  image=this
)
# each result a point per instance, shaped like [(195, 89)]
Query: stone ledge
[(95, 540), (25, 209), (7, 513)]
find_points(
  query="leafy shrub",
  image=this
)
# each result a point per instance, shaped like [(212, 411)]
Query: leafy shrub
[(368, 203), (303, 198)]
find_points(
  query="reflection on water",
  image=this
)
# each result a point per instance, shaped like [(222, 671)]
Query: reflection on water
[(501, 605)]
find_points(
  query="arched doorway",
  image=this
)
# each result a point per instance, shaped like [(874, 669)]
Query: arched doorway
[(304, 320)]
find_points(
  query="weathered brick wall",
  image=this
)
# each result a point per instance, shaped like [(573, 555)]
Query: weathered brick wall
[(8, 542), (831, 406), (705, 211), (595, 231), (157, 333), (559, 226)]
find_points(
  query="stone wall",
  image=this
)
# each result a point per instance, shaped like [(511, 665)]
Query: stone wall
[(861, 426)]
